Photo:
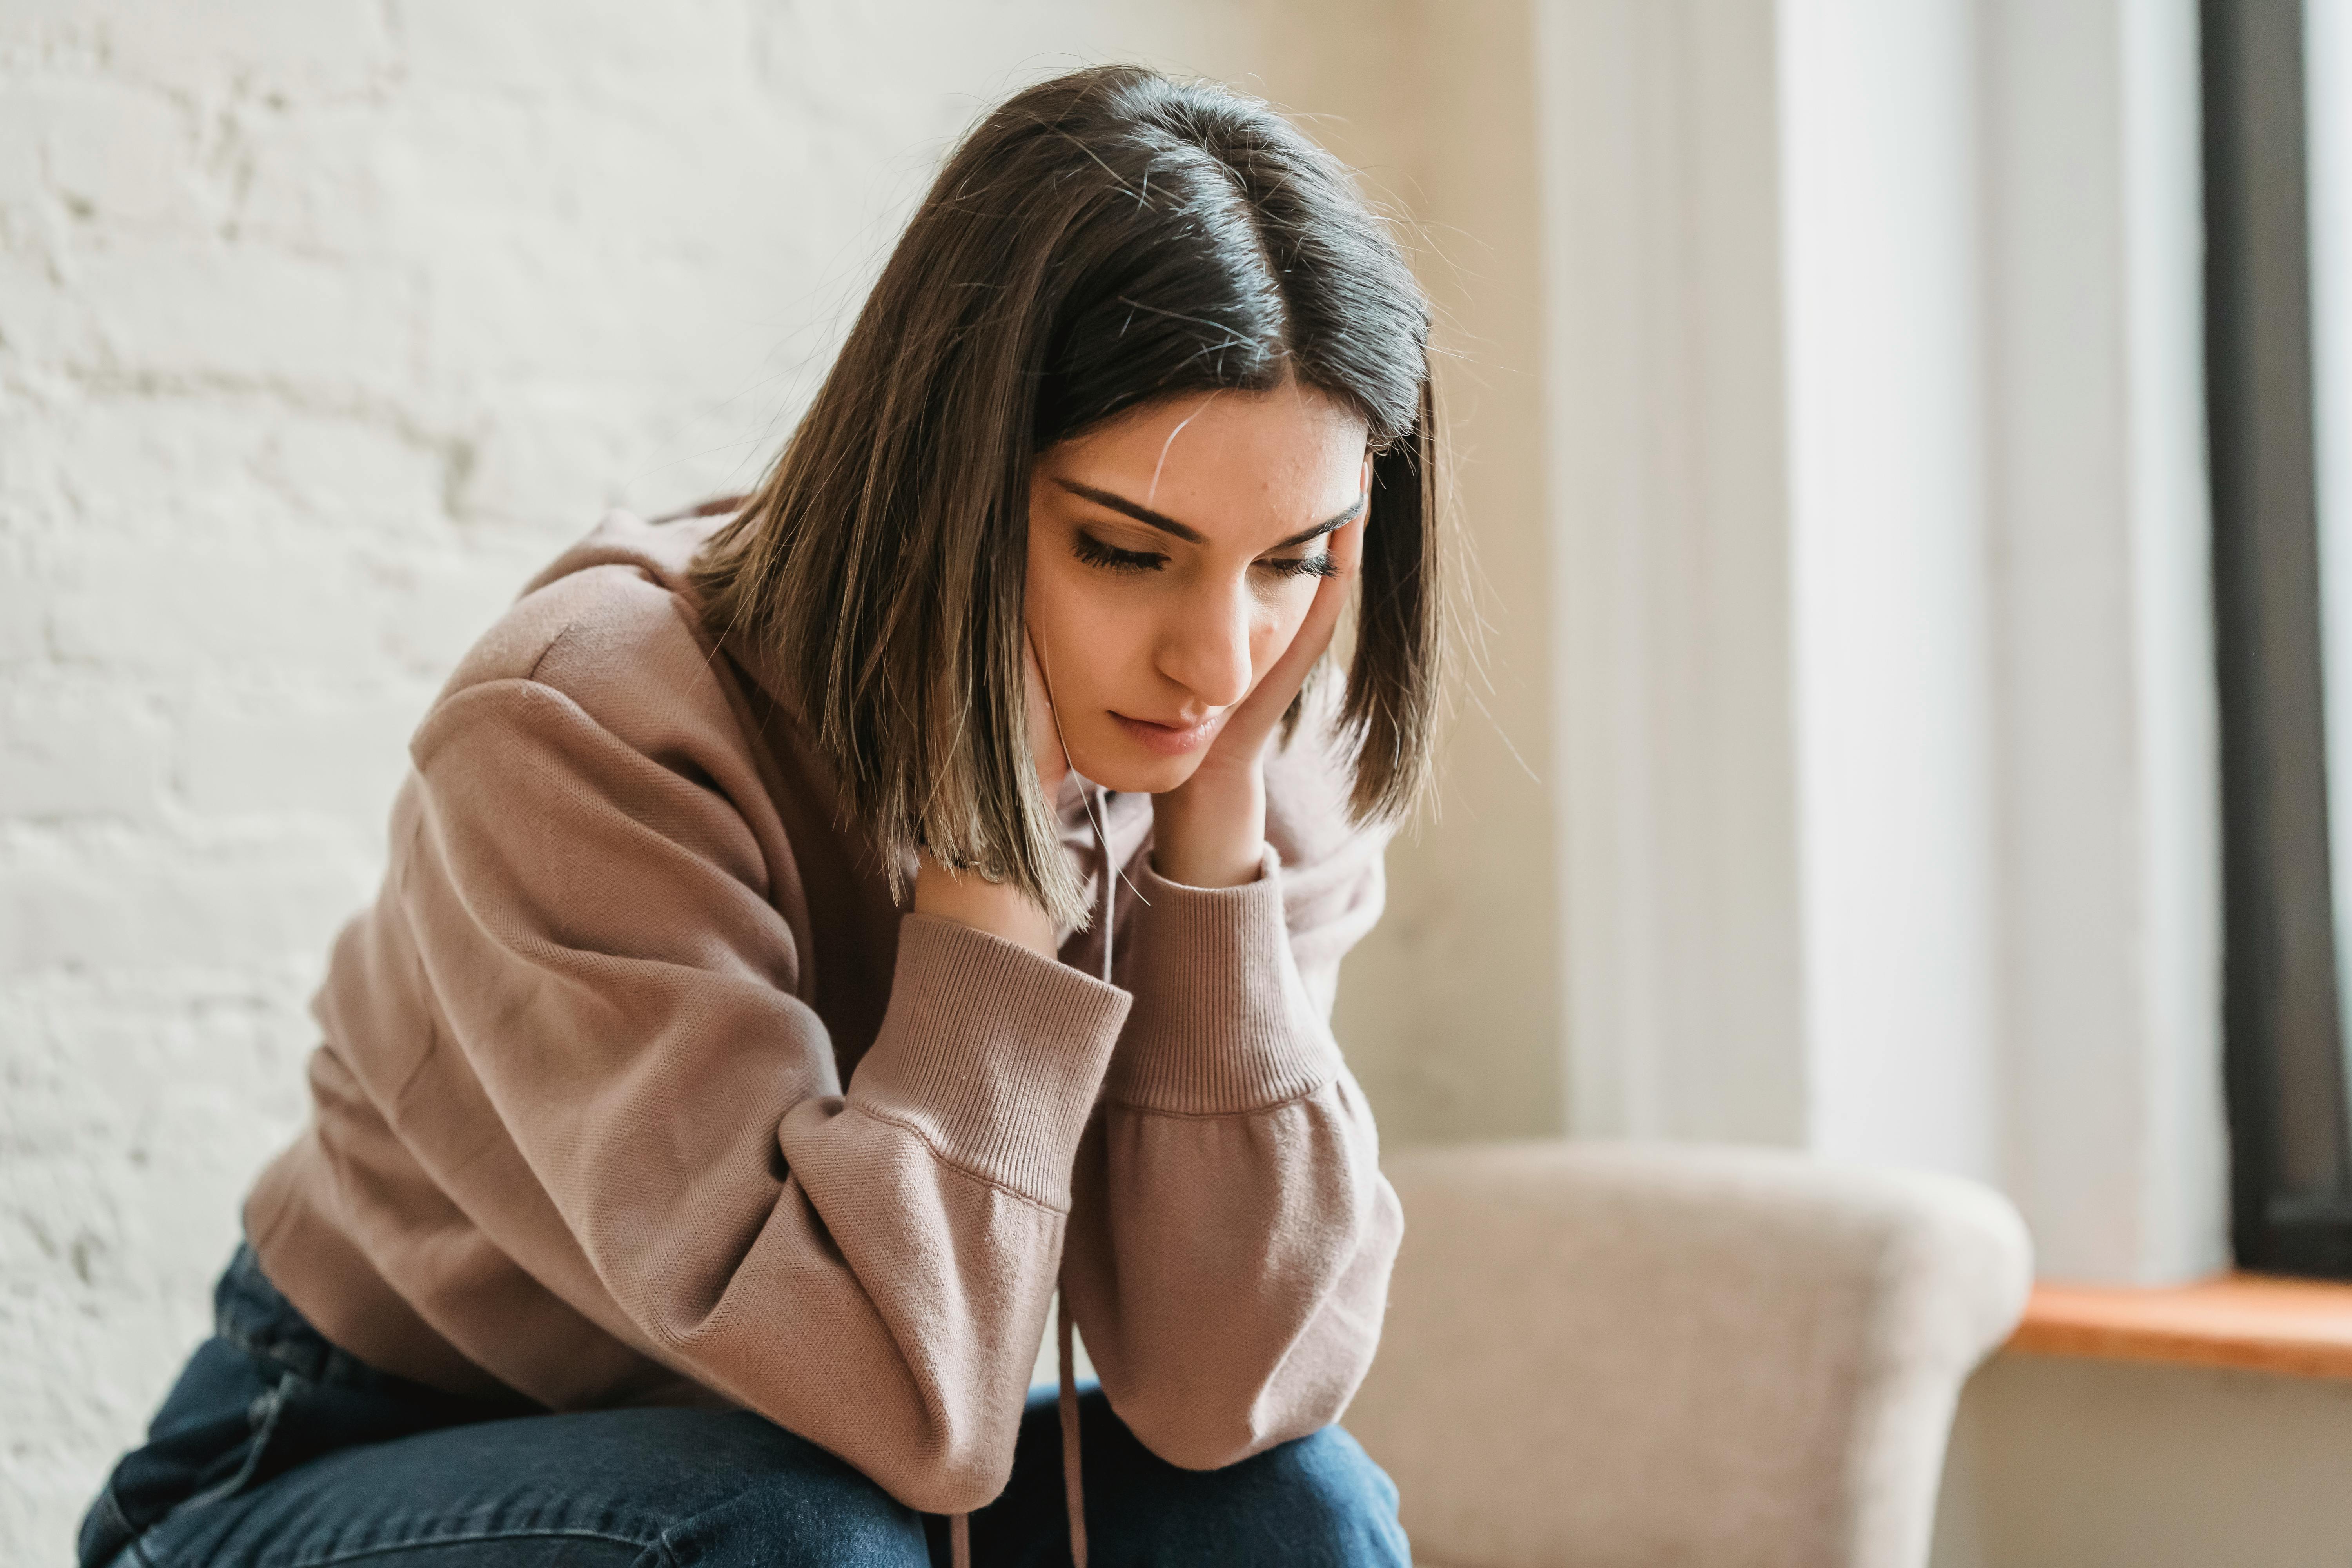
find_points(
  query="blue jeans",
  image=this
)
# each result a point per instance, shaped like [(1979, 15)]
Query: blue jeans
[(275, 1450)]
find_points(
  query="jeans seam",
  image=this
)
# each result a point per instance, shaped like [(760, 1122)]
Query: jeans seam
[(424, 1543), (253, 1319), (277, 1352), (263, 1431), (137, 1543)]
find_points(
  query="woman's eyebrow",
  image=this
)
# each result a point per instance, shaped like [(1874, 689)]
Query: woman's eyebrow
[(1166, 524), (1337, 519), (1135, 509)]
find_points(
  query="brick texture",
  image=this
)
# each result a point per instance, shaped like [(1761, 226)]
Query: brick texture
[(322, 324)]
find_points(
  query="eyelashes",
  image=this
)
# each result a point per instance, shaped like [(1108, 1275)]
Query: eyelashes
[(1111, 558)]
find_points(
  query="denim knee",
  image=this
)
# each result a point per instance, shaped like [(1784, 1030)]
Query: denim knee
[(1315, 1502), (785, 1499), (1329, 1503)]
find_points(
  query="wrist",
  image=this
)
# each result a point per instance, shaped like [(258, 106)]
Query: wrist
[(1210, 831), (1000, 909)]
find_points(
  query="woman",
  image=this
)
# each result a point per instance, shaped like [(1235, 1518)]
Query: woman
[(721, 1086)]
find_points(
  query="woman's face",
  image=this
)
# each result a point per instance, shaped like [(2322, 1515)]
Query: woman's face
[(1172, 553)]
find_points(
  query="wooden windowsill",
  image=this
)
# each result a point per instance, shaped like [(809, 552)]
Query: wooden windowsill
[(2300, 1327)]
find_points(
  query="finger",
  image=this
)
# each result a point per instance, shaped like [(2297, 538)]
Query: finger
[(1348, 544), (1322, 619), (1347, 549), (1255, 719)]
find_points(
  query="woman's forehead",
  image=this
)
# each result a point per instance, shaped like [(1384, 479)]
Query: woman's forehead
[(1278, 461)]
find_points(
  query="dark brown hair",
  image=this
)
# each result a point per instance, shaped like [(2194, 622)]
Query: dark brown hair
[(1099, 240)]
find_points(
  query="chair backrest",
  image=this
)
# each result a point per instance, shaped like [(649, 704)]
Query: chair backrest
[(1603, 1354)]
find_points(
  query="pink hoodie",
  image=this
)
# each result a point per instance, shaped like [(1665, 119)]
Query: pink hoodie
[(636, 1086)]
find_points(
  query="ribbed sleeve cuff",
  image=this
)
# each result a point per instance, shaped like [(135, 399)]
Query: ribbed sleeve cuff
[(995, 1054), (1222, 1023)]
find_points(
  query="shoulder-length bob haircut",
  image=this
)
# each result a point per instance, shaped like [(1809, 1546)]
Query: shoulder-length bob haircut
[(1098, 241)]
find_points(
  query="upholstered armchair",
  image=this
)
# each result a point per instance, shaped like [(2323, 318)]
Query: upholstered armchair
[(1617, 1356)]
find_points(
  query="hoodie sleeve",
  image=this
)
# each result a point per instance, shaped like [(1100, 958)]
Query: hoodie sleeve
[(870, 1270), (1232, 1234)]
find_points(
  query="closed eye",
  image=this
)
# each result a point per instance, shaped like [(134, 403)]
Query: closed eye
[(1318, 565), (1111, 558)]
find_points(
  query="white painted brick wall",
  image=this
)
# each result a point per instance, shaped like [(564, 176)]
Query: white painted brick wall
[(322, 324)]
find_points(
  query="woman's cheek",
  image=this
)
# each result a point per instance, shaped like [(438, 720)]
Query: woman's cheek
[(1062, 619), (1282, 625), (1102, 639)]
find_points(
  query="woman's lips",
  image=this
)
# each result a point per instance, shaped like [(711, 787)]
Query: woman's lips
[(1169, 740)]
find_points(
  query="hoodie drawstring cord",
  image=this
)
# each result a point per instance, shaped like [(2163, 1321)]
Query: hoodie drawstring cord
[(1073, 1489)]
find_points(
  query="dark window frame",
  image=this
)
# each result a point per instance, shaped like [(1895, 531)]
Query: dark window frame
[(2291, 1150)]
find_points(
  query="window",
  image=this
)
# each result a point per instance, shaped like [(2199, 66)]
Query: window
[(2278, 200)]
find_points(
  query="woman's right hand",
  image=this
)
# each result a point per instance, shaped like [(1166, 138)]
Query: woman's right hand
[(1001, 908)]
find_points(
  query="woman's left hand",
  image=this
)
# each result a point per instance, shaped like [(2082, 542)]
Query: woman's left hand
[(1210, 830)]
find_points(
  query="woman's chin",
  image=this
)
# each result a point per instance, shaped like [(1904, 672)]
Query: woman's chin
[(1129, 770)]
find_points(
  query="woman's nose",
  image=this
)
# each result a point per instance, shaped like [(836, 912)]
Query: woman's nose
[(1206, 650)]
